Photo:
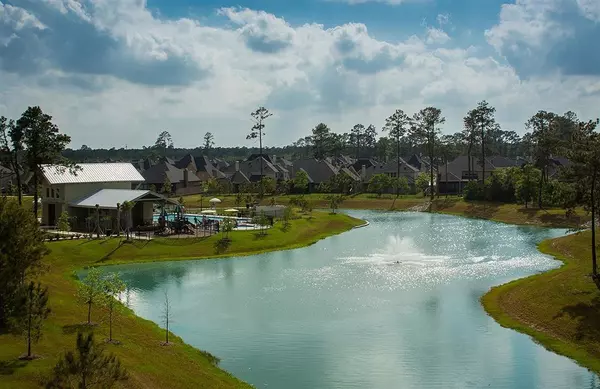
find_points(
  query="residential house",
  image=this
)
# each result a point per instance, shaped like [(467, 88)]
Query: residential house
[(182, 180), (93, 193), (202, 167), (7, 179), (319, 171), (455, 175), (420, 162), (390, 169), (251, 168)]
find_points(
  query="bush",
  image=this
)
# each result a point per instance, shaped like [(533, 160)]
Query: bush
[(473, 191)]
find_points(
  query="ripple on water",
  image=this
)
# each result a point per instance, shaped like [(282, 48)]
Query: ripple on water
[(343, 314)]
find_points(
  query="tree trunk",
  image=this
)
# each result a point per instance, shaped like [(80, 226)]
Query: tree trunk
[(89, 313), (35, 194), (29, 328), (483, 157), (262, 190), (167, 332), (540, 189), (431, 152), (447, 177), (15, 167), (398, 162), (469, 160), (593, 199)]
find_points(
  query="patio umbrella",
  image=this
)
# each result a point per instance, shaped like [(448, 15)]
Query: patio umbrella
[(207, 211), (214, 200)]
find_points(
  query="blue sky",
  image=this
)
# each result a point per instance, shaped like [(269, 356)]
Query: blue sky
[(118, 72)]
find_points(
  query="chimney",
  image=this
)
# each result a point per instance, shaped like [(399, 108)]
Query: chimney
[(186, 177), (237, 166), (363, 172), (274, 158)]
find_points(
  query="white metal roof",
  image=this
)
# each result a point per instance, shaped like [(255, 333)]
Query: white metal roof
[(92, 172), (109, 198)]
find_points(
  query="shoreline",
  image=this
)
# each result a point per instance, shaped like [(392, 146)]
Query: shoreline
[(487, 300), (509, 306), (149, 364)]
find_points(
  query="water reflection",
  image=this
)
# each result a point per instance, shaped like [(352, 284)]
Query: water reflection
[(392, 305)]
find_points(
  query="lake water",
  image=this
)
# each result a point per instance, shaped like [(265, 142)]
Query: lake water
[(343, 314)]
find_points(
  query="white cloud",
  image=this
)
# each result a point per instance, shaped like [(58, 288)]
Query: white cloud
[(436, 36), (548, 35), (18, 18), (590, 8), (147, 74)]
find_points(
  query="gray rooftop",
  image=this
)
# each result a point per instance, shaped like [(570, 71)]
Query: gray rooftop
[(109, 198)]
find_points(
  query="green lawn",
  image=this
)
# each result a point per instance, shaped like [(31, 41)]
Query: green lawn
[(452, 205), (317, 200), (150, 365), (510, 213), (560, 308)]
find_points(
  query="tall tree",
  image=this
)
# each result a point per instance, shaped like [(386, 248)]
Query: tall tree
[(112, 288), (426, 130), (44, 144), (469, 138), (545, 143), (485, 124), (301, 181), (21, 251), (259, 116), (356, 138), (383, 148), (321, 140), (209, 141), (369, 139), (585, 170), (11, 147), (34, 310), (164, 142), (88, 367), (397, 126), (337, 144)]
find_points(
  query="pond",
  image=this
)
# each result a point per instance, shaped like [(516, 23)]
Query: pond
[(395, 304)]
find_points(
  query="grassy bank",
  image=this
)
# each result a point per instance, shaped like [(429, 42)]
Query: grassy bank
[(150, 365), (506, 213), (317, 200), (560, 308), (510, 213)]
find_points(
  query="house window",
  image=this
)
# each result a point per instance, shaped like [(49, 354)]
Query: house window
[(47, 192), (52, 191), (57, 192)]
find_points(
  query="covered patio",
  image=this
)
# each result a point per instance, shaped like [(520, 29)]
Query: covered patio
[(104, 210)]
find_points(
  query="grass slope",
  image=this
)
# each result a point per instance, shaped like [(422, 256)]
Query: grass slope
[(150, 365), (506, 213), (509, 213), (318, 200), (561, 308)]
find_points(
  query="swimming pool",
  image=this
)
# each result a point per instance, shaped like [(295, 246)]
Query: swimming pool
[(192, 217)]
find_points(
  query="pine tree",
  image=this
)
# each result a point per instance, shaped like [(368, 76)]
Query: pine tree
[(87, 367), (33, 303), (21, 251)]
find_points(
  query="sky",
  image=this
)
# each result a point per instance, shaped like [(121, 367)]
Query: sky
[(115, 73)]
